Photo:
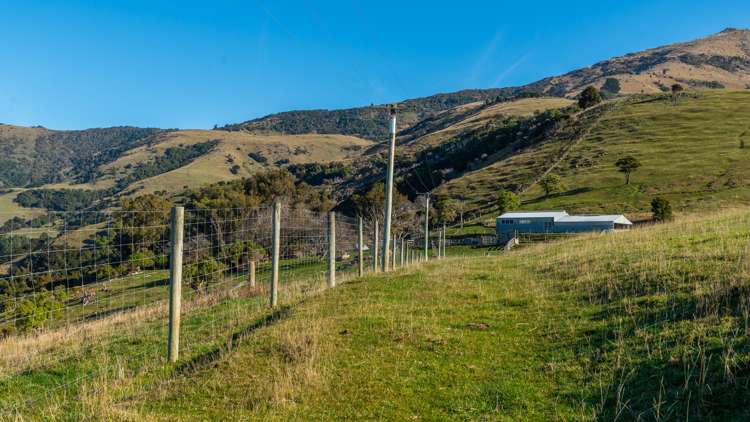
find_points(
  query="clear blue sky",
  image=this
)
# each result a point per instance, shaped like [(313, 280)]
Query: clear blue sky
[(75, 64)]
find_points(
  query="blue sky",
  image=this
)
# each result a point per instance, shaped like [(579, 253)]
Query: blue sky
[(77, 64)]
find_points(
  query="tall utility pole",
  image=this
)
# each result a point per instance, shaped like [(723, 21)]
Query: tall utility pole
[(389, 192), (427, 227)]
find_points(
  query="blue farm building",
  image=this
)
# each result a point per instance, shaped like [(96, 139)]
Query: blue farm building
[(511, 223)]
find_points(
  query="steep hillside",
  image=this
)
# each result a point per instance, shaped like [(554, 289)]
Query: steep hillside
[(365, 122), (691, 154), (718, 61), (36, 156), (234, 155)]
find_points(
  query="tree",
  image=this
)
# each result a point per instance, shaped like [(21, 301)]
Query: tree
[(589, 97), (661, 209), (611, 85), (551, 183), (143, 222), (447, 210), (627, 165), (507, 201), (676, 90), (370, 205)]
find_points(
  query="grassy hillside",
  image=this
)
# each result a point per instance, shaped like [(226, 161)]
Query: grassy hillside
[(37, 156), (10, 209), (646, 324), (717, 61), (248, 152), (690, 153), (471, 117), (365, 122)]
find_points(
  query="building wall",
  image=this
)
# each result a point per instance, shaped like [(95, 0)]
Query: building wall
[(537, 225), (527, 225), (586, 226)]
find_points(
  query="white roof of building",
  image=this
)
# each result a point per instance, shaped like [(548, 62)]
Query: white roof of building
[(563, 217), (535, 214), (616, 219)]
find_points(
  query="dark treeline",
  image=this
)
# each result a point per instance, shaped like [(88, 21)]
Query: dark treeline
[(80, 199)]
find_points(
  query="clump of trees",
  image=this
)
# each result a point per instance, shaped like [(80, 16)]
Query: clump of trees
[(551, 183), (611, 87), (589, 97), (60, 199), (676, 90), (316, 174), (661, 209), (627, 165), (507, 201), (371, 203)]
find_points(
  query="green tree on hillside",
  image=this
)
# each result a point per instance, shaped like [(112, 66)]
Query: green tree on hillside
[(370, 205), (447, 209), (627, 165), (611, 86), (507, 201), (661, 209), (551, 183), (589, 97), (676, 91)]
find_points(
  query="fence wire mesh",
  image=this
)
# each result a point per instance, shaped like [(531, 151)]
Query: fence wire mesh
[(84, 295)]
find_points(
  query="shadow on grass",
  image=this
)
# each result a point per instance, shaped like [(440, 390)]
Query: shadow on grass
[(235, 339), (558, 195), (688, 377)]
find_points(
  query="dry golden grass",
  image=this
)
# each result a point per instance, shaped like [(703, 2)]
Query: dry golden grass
[(233, 149), (10, 209), (482, 115)]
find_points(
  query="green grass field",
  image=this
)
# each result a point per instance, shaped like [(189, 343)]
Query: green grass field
[(690, 153), (649, 324)]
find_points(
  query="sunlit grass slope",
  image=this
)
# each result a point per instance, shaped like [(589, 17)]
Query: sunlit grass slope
[(648, 324), (690, 153)]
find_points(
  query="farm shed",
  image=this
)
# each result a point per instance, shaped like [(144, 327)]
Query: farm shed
[(556, 222)]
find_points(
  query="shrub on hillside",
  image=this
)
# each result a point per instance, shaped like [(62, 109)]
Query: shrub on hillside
[(589, 97), (661, 209), (507, 201), (201, 275)]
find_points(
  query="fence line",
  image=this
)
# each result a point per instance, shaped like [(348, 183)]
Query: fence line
[(126, 284)]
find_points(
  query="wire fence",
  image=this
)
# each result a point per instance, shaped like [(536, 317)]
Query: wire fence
[(86, 295)]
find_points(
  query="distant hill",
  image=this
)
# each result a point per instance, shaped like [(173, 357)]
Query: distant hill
[(37, 156), (718, 61), (465, 144), (365, 122)]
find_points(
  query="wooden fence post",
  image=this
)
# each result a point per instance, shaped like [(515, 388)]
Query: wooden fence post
[(332, 249), (276, 251), (175, 282), (403, 251), (375, 246), (393, 254), (361, 248), (252, 273)]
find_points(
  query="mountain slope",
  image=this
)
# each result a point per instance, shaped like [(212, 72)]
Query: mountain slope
[(35, 156), (234, 155), (365, 122), (718, 61), (691, 154)]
